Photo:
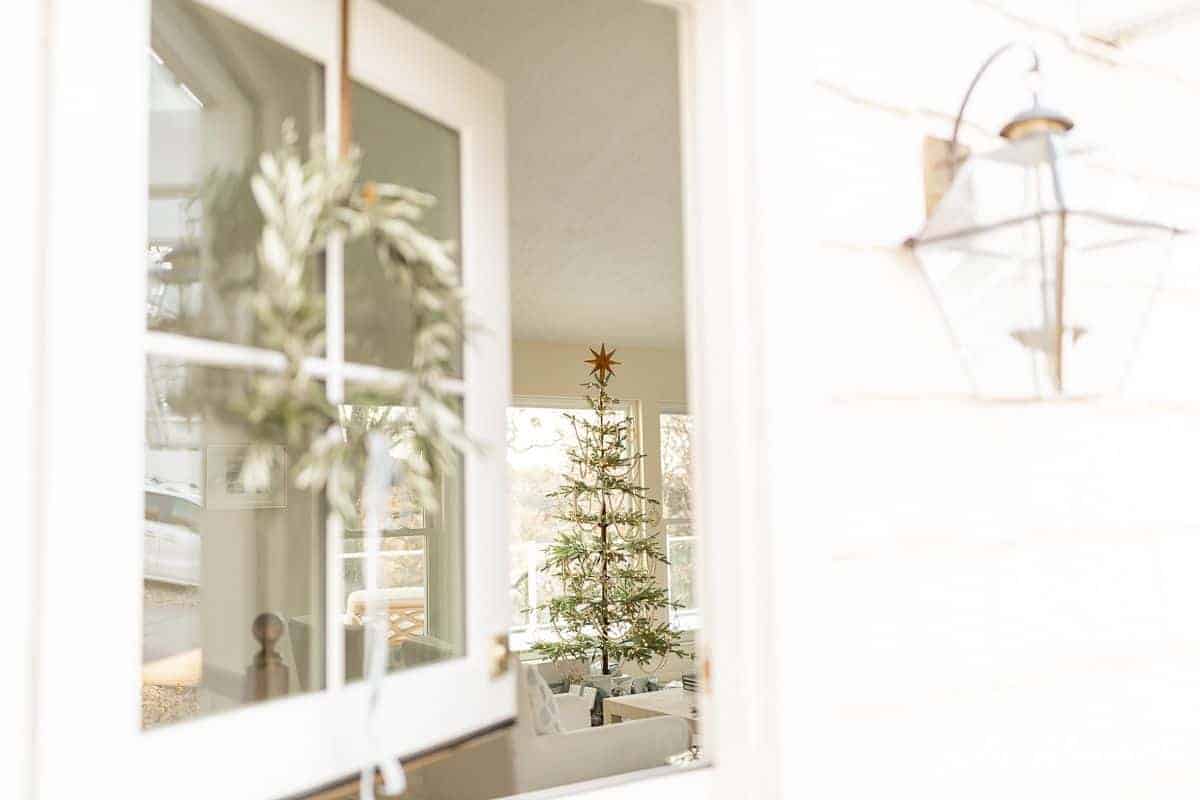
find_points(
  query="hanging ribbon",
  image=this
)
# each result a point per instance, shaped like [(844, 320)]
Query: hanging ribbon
[(376, 488), (377, 483)]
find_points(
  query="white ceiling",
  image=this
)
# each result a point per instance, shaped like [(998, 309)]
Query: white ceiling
[(594, 161)]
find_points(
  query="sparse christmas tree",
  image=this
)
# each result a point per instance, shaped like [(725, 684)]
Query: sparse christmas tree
[(611, 608)]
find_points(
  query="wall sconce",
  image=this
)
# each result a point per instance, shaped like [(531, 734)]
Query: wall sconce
[(1044, 277)]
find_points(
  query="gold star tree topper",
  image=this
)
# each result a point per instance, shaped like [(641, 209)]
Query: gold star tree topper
[(602, 363)]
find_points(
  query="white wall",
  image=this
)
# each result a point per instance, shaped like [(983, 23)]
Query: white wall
[(647, 374), (983, 600)]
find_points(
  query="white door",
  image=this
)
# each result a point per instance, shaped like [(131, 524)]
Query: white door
[(144, 690)]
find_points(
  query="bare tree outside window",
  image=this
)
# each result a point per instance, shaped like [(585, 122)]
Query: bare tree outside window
[(538, 439), (675, 433)]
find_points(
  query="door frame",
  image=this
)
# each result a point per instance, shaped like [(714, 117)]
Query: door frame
[(725, 301), (24, 72), (726, 372), (89, 444)]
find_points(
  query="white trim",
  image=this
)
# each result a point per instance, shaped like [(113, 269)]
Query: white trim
[(725, 385), (307, 26), (335, 646), (565, 402), (335, 387), (23, 64), (95, 348), (95, 319), (381, 377), (384, 555), (214, 353)]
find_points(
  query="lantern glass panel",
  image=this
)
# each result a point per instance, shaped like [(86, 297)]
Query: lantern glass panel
[(1043, 271)]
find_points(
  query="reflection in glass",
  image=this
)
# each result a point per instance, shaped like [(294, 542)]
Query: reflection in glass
[(421, 564), (219, 94), (402, 582), (399, 146), (217, 554)]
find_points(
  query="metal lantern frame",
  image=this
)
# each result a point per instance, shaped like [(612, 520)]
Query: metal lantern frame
[(1003, 253)]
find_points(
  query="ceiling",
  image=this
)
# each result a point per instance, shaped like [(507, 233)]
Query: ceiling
[(595, 203)]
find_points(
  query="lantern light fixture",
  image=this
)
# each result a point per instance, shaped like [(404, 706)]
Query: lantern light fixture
[(1039, 258)]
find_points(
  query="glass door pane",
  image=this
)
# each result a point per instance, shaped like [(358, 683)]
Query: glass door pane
[(216, 555), (420, 570), (404, 147), (219, 95)]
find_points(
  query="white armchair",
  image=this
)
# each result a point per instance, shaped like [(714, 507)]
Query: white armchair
[(582, 752), (574, 711), (525, 761)]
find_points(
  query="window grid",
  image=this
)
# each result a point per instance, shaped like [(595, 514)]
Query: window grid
[(393, 556), (332, 369), (196, 351)]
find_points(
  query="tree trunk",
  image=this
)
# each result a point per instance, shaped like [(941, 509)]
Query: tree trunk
[(604, 666), (604, 669)]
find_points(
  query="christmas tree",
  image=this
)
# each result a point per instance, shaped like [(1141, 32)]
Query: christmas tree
[(611, 608)]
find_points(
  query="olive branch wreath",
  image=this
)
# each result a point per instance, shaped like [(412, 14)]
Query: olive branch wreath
[(304, 205)]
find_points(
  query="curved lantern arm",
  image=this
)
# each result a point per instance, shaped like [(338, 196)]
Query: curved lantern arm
[(971, 89)]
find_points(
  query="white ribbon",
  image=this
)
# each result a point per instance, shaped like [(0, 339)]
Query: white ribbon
[(376, 488)]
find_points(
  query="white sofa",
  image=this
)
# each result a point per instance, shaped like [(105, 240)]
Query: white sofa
[(584, 753)]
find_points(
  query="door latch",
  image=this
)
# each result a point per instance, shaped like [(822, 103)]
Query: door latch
[(499, 655)]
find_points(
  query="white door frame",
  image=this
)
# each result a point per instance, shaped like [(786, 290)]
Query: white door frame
[(726, 386), (23, 75), (724, 278)]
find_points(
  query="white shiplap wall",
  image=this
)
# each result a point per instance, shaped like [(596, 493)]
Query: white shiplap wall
[(977, 600)]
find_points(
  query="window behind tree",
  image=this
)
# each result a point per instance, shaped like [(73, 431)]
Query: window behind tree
[(539, 435), (675, 432), (538, 439)]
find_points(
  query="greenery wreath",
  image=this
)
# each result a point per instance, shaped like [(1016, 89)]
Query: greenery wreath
[(304, 205)]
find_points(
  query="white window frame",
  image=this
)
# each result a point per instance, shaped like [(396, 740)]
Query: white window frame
[(684, 619), (522, 637), (23, 77), (647, 415), (79, 82)]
